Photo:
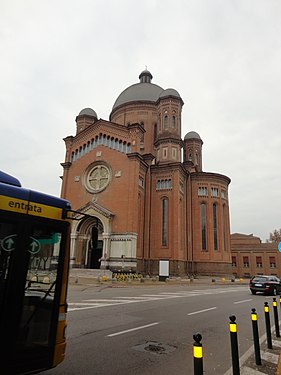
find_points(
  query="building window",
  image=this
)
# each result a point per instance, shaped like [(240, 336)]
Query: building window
[(155, 132), (246, 262), (141, 181), (215, 227), (164, 184), (223, 194), (202, 191), (165, 153), (214, 192), (234, 263), (259, 262), (203, 225), (174, 153), (272, 262), (224, 226), (166, 120), (164, 221), (174, 122), (181, 186)]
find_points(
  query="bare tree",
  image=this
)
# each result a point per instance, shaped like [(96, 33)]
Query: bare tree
[(275, 236)]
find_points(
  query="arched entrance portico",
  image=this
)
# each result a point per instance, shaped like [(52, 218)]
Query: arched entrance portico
[(90, 238)]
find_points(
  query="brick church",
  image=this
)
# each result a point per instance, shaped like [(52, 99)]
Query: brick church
[(139, 190)]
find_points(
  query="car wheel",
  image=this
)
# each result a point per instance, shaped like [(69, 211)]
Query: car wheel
[(253, 291)]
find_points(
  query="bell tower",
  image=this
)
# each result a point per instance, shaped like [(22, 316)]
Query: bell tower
[(168, 141), (193, 150)]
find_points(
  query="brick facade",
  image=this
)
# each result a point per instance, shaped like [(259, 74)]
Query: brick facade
[(139, 190), (252, 257)]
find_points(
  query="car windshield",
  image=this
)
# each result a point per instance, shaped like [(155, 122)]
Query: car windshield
[(260, 279)]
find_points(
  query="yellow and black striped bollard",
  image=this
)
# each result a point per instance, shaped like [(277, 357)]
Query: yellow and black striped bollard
[(276, 320), (234, 345), (267, 325), (197, 354), (255, 327)]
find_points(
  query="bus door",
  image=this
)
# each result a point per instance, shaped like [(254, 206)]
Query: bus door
[(31, 268)]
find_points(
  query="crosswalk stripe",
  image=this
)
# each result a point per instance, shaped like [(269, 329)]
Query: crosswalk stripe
[(95, 303)]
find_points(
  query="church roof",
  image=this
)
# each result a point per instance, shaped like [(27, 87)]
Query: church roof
[(88, 112), (192, 135), (143, 91)]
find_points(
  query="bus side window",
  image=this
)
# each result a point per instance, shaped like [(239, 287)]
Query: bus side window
[(43, 251), (8, 240)]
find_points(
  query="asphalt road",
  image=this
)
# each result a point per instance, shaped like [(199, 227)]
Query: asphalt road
[(148, 330)]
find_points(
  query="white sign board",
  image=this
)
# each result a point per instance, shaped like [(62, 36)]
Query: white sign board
[(164, 268)]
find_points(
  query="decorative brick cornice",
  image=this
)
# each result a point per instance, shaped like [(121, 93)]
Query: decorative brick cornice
[(66, 165), (209, 176)]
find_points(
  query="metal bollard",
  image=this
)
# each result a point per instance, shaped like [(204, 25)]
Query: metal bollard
[(276, 320), (267, 325), (255, 327), (234, 345), (197, 354)]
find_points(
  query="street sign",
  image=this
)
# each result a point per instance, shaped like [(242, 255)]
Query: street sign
[(9, 243)]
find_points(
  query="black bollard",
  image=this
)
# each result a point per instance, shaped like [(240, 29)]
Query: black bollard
[(276, 320), (256, 336), (234, 345), (267, 325), (197, 354)]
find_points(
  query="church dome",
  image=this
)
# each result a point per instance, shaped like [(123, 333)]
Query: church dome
[(88, 112), (170, 92), (142, 91), (192, 135)]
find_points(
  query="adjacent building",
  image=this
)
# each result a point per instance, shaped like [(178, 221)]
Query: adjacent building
[(250, 256), (140, 191)]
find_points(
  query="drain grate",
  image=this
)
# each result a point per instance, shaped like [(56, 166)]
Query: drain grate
[(155, 347)]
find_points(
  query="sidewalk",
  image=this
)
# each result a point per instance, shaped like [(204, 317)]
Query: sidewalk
[(104, 277)]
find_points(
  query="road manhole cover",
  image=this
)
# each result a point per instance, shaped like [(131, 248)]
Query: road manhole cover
[(154, 347)]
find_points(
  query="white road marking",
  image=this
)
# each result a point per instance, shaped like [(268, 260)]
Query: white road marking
[(200, 311), (116, 301), (132, 329), (244, 300)]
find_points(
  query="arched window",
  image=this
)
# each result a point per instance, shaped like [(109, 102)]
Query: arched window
[(215, 226), (164, 221), (155, 132), (108, 141), (197, 159), (203, 226), (174, 122), (128, 148), (223, 226), (166, 120)]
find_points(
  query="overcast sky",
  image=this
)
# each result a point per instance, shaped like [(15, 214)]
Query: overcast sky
[(222, 56)]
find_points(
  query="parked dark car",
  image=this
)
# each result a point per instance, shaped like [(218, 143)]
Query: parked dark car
[(265, 284)]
